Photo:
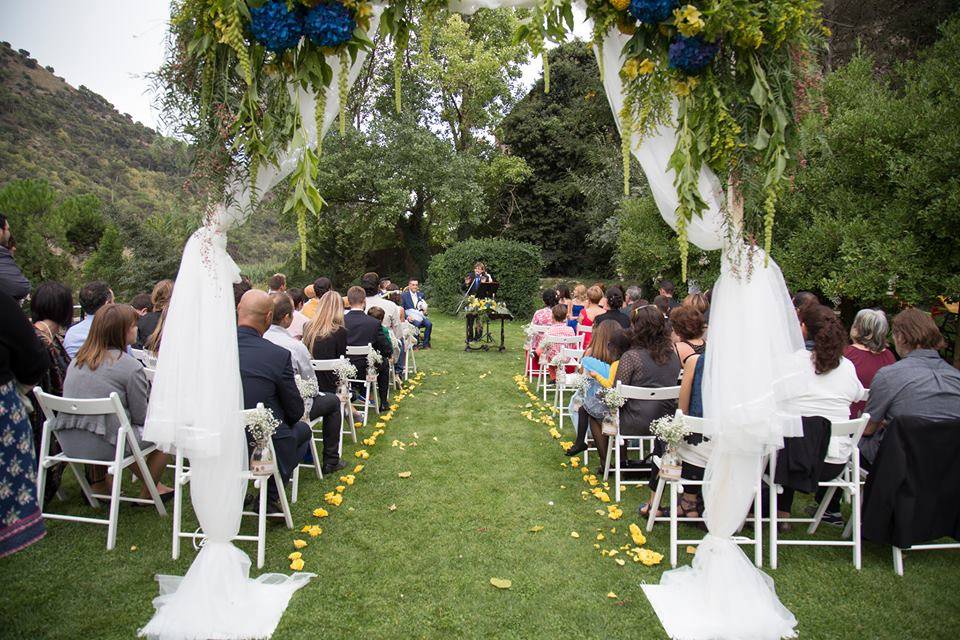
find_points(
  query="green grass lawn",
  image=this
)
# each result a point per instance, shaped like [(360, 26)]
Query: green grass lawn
[(481, 477)]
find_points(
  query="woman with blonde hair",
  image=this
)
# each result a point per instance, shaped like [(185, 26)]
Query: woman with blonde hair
[(591, 310), (159, 300), (326, 337), (102, 367)]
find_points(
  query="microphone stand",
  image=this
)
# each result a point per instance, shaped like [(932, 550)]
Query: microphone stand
[(466, 295)]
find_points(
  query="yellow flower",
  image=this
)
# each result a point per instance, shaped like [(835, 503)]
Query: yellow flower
[(648, 557), (638, 538), (566, 445), (612, 595), (358, 424), (688, 19), (333, 498), (600, 536), (362, 453), (394, 407), (575, 462), (358, 468), (297, 564), (347, 479), (299, 544), (305, 528), (614, 512), (315, 531), (574, 534), (554, 434), (386, 418), (320, 512), (620, 561), (684, 87), (341, 488), (647, 66), (295, 555)]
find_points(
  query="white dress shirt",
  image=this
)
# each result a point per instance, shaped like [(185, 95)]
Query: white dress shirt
[(298, 351), (76, 336)]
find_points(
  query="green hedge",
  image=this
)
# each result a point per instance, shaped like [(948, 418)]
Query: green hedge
[(516, 266)]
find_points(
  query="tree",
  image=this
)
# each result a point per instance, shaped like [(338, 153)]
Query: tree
[(82, 221), (872, 219), (29, 206), (108, 262), (570, 142)]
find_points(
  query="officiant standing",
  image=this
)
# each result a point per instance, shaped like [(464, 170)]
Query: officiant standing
[(471, 286)]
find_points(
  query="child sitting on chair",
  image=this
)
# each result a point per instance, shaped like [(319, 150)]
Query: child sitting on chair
[(547, 351), (600, 365)]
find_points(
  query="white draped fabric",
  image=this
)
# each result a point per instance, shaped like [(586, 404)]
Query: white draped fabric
[(197, 398), (195, 406)]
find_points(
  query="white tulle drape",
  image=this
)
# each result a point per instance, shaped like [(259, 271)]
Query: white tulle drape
[(197, 398), (195, 407)]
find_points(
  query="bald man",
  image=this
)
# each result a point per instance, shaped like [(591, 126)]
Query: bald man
[(266, 372)]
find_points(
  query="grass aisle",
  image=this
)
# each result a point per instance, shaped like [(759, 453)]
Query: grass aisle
[(481, 476)]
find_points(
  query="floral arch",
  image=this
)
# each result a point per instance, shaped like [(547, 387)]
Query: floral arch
[(699, 90)]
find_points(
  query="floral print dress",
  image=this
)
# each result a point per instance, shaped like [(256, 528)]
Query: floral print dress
[(21, 523)]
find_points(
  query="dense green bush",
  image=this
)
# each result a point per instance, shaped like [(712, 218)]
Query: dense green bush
[(82, 221), (647, 251), (515, 265)]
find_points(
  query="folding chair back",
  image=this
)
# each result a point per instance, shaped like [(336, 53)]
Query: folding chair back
[(538, 330), (53, 406), (145, 357), (370, 392), (848, 481), (345, 427), (613, 447), (543, 377)]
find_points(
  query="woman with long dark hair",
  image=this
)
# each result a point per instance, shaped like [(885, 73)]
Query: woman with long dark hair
[(615, 300)]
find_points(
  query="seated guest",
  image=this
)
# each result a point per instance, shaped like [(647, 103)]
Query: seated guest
[(278, 335), (103, 366), (590, 311), (277, 283), (544, 315), (829, 388), (603, 298), (326, 337), (694, 451), (922, 384), (651, 361), (698, 301), (152, 343), (319, 287), (613, 312), (377, 314), (362, 330), (663, 304), (142, 304), (370, 282), (12, 280), (416, 307), (310, 302), (557, 328), (688, 329), (23, 359), (384, 286), (240, 288), (299, 320), (600, 362), (804, 299), (92, 296), (51, 309), (267, 377), (634, 296), (868, 349), (159, 299), (578, 301), (666, 290), (563, 297)]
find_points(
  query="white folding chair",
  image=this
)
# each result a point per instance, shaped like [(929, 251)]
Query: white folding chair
[(847, 482), (615, 442), (145, 357), (55, 405), (182, 477), (701, 426), (543, 373), (529, 370), (583, 330), (371, 395), (565, 382), (150, 373)]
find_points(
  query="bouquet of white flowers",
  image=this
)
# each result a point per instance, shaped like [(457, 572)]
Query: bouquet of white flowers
[(613, 399), (345, 372), (373, 359), (261, 424), (671, 429), (307, 387)]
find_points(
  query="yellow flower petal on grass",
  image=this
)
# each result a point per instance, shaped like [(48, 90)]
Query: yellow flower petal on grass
[(320, 512), (404, 474), (294, 555), (299, 544), (501, 583), (620, 561), (574, 534), (638, 538), (297, 564), (612, 595), (614, 512), (315, 531), (358, 468), (362, 453), (536, 528), (341, 488), (691, 549), (348, 479)]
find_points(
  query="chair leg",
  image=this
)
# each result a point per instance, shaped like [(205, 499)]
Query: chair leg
[(616, 467), (773, 525), (758, 526), (177, 507), (295, 490), (821, 509), (114, 506), (898, 561), (316, 458), (262, 523), (655, 505), (282, 494), (84, 485), (673, 524), (857, 543), (42, 465)]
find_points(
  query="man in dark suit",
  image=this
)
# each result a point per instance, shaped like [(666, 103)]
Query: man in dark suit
[(266, 372), (363, 330)]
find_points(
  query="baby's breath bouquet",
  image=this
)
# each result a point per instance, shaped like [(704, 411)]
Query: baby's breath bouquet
[(307, 387), (345, 372), (671, 429), (613, 399), (261, 425), (373, 359)]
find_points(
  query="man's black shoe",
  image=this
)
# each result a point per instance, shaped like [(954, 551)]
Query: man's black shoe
[(333, 468)]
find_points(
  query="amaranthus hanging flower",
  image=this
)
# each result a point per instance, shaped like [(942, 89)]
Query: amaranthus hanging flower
[(688, 19), (692, 55), (652, 11), (276, 26), (329, 24)]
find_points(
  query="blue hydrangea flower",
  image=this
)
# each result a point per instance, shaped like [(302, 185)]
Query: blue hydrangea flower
[(329, 24), (275, 26), (652, 11), (692, 55)]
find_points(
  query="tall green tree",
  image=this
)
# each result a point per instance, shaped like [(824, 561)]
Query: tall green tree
[(108, 262)]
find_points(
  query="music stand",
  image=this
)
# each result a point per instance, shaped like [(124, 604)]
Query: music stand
[(478, 331)]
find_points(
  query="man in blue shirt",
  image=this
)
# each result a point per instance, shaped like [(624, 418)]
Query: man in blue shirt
[(92, 296)]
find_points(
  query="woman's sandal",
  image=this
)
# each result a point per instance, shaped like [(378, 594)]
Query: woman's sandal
[(691, 509), (644, 511)]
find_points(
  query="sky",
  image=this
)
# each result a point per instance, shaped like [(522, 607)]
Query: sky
[(109, 45)]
